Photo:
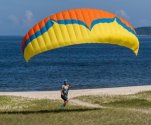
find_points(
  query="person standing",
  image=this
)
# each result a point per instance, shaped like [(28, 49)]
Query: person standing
[(64, 92)]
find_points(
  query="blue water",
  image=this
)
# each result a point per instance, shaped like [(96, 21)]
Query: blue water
[(84, 66)]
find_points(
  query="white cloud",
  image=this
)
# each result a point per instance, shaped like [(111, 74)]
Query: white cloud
[(29, 18), (14, 19), (26, 20), (123, 14)]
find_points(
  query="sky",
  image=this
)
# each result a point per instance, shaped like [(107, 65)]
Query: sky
[(18, 16)]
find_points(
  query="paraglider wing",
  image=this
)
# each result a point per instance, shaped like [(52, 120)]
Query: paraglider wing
[(78, 26)]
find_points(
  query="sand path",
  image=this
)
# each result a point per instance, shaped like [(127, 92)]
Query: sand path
[(81, 92), (85, 104)]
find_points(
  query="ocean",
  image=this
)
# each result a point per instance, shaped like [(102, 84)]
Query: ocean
[(83, 66)]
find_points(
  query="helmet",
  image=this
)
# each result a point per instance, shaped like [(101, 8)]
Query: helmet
[(65, 82)]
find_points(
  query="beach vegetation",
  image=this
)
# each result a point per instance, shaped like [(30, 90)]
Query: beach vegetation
[(116, 110)]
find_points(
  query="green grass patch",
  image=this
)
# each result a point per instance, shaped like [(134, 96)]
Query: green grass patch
[(133, 103), (25, 111), (77, 117), (20, 104), (140, 100)]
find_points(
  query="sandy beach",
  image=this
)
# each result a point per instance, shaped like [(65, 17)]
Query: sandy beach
[(81, 92)]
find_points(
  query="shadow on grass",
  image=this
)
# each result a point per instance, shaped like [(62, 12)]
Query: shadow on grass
[(50, 111)]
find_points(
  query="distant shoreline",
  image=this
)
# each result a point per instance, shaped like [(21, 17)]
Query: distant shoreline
[(143, 35), (141, 31), (55, 95)]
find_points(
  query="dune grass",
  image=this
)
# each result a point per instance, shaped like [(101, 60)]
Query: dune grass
[(24, 111), (79, 117), (140, 100), (12, 104)]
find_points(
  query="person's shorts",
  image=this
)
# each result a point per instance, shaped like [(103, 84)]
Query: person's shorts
[(65, 98)]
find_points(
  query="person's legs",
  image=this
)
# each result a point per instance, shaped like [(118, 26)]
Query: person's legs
[(65, 98), (65, 103)]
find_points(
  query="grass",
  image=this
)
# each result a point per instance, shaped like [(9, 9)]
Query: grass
[(11, 104), (140, 100), (24, 111), (87, 117)]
